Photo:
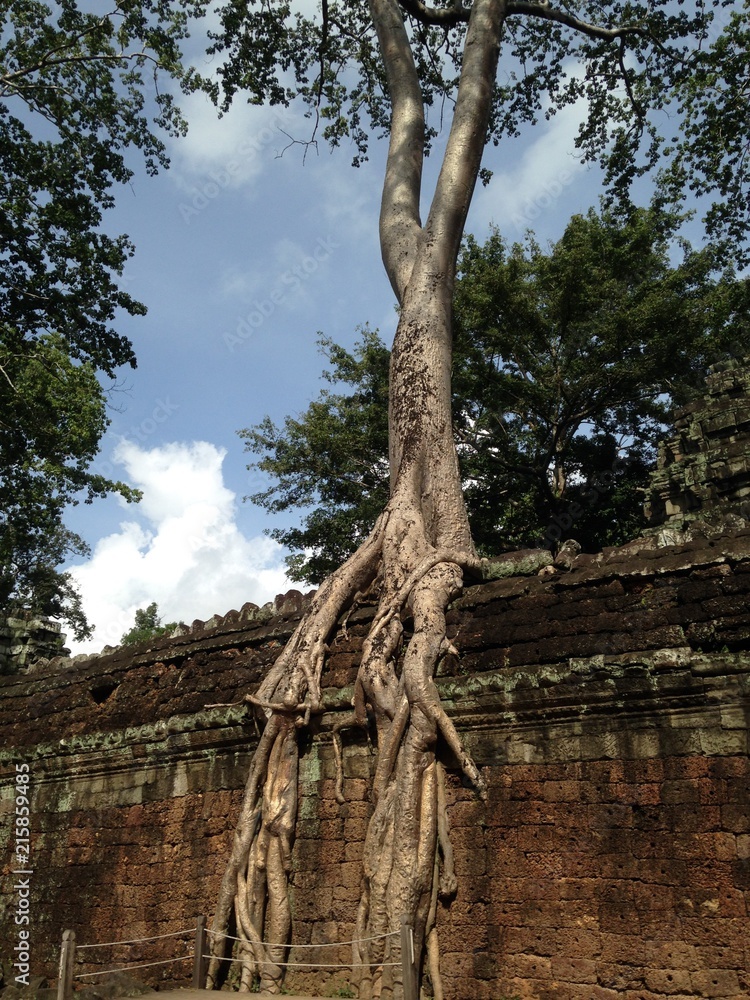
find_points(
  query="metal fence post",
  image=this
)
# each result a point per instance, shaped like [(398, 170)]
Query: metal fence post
[(199, 959), (65, 970), (408, 960)]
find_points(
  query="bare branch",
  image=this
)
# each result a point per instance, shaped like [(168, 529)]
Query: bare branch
[(547, 12), (306, 143), (7, 378), (446, 17)]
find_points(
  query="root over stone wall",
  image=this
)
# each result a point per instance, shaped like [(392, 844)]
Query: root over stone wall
[(607, 706)]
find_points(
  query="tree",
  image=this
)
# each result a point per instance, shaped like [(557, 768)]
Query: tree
[(576, 356), (391, 62), (73, 99), (147, 625), (53, 414), (708, 155), (566, 361)]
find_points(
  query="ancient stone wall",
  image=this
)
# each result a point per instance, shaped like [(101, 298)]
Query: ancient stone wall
[(608, 707), (704, 467), (25, 639)]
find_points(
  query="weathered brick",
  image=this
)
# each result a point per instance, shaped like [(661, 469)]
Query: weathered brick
[(574, 970), (715, 983), (529, 967), (736, 818), (623, 976), (668, 981)]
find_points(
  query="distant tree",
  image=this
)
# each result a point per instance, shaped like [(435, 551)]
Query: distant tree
[(78, 88), (569, 361), (147, 625), (566, 362)]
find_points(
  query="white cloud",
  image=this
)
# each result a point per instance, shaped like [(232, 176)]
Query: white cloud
[(538, 180), (229, 151), (189, 556)]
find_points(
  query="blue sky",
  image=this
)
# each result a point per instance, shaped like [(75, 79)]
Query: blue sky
[(242, 256)]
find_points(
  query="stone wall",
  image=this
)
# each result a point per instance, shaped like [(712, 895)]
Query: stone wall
[(607, 706), (25, 639), (704, 467)]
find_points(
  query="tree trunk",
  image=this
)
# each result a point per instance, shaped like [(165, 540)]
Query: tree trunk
[(415, 557)]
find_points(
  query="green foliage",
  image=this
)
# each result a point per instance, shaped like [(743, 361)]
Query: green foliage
[(708, 156), (52, 416), (566, 363), (73, 88), (147, 625), (73, 99)]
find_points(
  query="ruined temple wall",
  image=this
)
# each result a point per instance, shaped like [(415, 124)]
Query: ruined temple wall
[(607, 706), (623, 875)]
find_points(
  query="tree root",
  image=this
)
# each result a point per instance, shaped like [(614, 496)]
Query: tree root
[(408, 860), (462, 559)]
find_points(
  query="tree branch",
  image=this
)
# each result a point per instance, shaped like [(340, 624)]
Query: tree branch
[(466, 141), (7, 80), (546, 12), (446, 17), (400, 223), (46, 60)]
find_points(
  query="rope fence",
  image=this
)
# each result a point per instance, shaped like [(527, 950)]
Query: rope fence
[(312, 965), (323, 944), (127, 968), (69, 949), (156, 937)]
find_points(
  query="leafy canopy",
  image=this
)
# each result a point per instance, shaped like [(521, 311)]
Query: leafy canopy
[(78, 89), (707, 155), (661, 86), (567, 360), (570, 359)]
